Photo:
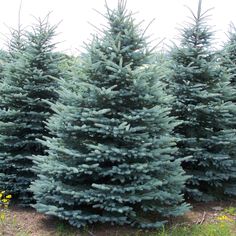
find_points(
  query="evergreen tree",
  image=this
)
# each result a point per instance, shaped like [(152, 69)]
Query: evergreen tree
[(202, 89), (27, 88), (3, 60), (228, 61), (111, 156), (228, 58), (17, 42)]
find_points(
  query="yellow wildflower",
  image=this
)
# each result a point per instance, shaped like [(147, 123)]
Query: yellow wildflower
[(4, 203), (224, 218), (5, 200)]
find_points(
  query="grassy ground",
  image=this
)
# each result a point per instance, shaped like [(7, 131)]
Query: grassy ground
[(209, 219)]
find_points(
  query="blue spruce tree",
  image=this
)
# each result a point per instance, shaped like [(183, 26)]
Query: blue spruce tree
[(110, 159), (27, 86), (228, 61), (202, 89)]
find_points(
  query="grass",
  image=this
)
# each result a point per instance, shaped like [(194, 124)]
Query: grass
[(230, 210), (218, 229), (64, 230)]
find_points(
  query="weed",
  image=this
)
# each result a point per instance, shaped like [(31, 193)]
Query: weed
[(219, 229), (4, 202), (63, 229), (230, 211)]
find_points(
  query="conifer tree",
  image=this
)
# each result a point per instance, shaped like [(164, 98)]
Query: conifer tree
[(17, 42), (228, 58), (3, 61), (202, 89), (228, 61), (110, 159), (28, 86)]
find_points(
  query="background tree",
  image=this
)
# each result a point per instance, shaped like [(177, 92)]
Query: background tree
[(111, 156), (28, 85), (230, 53), (228, 61), (202, 87)]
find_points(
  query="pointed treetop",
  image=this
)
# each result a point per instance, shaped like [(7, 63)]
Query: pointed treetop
[(197, 33), (199, 9)]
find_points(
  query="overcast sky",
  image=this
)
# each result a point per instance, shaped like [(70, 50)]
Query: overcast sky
[(75, 15)]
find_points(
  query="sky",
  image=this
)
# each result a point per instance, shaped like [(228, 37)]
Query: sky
[(77, 18)]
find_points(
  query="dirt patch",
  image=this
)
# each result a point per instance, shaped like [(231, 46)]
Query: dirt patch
[(28, 222)]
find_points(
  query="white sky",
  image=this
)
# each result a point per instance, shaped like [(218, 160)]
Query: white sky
[(75, 15)]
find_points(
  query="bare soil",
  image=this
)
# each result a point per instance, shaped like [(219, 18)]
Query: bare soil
[(27, 222)]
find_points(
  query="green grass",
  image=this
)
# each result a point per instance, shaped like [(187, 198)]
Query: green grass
[(217, 229), (64, 230), (230, 211)]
